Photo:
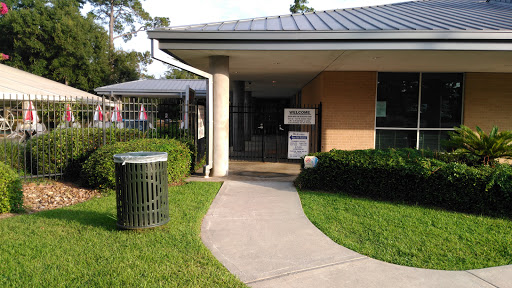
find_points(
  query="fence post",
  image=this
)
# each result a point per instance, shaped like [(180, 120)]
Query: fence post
[(319, 127), (103, 120)]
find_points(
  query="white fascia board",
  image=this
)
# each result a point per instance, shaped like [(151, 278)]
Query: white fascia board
[(142, 93), (163, 35), (340, 45)]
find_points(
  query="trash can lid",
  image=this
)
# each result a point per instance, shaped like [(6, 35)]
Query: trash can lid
[(140, 157)]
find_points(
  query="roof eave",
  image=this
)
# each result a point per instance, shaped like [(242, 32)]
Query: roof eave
[(367, 40), (163, 35)]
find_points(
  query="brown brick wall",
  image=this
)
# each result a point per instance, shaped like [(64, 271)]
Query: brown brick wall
[(488, 101), (311, 93), (348, 103), (348, 108)]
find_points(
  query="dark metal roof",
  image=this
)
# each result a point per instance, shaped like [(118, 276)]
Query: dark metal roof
[(426, 15), (155, 87)]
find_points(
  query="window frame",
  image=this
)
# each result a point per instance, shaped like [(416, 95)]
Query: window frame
[(418, 128)]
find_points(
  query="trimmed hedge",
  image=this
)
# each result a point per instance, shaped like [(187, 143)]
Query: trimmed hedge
[(11, 153), (98, 170), (415, 177), (11, 192), (64, 150)]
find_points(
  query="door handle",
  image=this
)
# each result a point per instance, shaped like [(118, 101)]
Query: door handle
[(261, 126)]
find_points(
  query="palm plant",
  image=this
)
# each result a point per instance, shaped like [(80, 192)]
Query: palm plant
[(487, 148)]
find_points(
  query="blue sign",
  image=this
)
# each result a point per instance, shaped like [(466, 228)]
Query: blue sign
[(298, 137)]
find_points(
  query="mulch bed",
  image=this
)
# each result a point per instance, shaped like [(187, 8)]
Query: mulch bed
[(51, 195)]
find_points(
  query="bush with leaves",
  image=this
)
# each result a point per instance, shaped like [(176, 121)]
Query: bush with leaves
[(99, 170), (415, 177), (11, 193), (64, 150), (11, 153), (487, 148)]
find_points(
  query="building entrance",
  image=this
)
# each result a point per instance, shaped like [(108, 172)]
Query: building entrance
[(259, 132)]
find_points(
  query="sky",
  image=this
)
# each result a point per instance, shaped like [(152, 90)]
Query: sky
[(186, 12)]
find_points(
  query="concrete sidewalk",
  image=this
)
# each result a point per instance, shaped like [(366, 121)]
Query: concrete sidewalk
[(258, 230)]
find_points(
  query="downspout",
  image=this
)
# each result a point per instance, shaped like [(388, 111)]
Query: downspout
[(158, 54)]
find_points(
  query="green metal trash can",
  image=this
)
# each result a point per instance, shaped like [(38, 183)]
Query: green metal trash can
[(141, 189)]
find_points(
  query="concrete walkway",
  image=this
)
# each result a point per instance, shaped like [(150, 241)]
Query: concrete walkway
[(258, 230)]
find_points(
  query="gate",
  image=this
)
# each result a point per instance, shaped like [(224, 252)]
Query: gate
[(258, 133)]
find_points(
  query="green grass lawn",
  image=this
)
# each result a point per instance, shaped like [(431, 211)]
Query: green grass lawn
[(80, 246), (411, 235)]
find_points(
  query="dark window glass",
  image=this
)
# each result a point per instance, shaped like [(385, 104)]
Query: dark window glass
[(397, 100), (395, 139), (441, 100), (433, 140)]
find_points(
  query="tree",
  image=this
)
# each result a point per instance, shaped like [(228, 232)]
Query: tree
[(175, 73), (299, 6), (127, 66), (3, 11), (487, 148), (120, 14), (52, 39)]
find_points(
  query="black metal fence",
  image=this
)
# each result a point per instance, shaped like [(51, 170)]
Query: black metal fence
[(259, 133), (39, 133)]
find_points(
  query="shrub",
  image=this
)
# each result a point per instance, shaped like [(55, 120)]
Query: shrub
[(193, 153), (415, 177), (11, 193), (487, 148), (64, 150), (11, 153), (99, 171)]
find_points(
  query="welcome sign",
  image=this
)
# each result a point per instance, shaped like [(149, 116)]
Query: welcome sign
[(293, 116)]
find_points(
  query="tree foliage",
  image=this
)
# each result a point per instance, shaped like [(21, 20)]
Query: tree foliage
[(299, 6), (3, 10), (175, 73), (486, 147), (52, 39), (122, 17)]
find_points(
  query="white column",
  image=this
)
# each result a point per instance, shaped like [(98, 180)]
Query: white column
[(219, 68)]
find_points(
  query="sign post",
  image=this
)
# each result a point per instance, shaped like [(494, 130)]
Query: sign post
[(298, 144)]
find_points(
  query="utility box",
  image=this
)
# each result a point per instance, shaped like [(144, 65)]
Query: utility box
[(142, 195)]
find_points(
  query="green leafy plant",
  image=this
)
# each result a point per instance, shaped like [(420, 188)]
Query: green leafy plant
[(11, 153), (11, 193), (487, 148), (415, 177), (64, 150), (99, 169)]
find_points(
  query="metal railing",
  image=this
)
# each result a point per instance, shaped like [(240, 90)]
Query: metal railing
[(258, 133), (41, 135)]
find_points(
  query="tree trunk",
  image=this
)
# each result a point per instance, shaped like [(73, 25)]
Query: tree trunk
[(111, 26)]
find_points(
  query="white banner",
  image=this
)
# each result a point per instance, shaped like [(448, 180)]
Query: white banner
[(200, 121)]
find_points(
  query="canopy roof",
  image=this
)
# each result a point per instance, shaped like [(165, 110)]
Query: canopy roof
[(277, 56), (16, 84), (155, 88), (447, 15)]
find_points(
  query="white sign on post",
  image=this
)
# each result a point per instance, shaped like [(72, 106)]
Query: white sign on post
[(297, 116), (298, 144), (200, 121)]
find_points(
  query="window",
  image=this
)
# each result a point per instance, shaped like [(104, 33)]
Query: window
[(399, 122)]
